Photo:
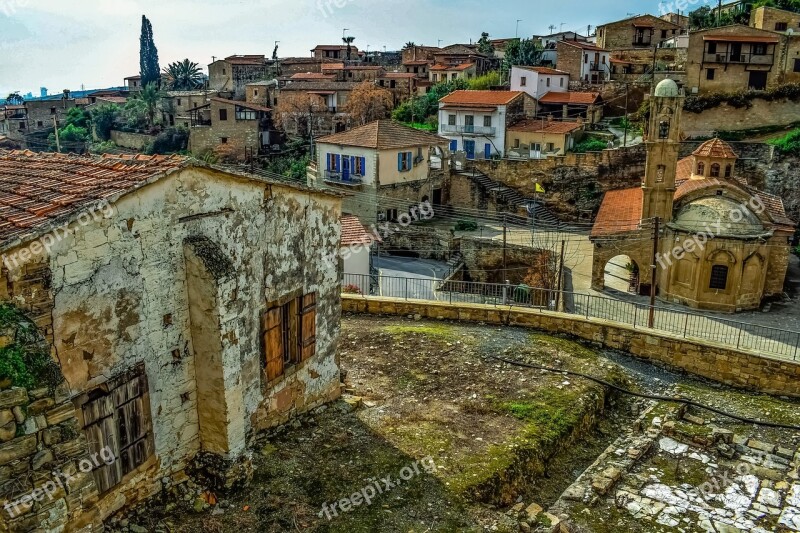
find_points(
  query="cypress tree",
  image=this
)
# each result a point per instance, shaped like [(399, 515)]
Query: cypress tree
[(148, 55)]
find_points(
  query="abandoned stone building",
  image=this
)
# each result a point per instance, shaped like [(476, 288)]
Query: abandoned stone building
[(724, 245), (186, 307)]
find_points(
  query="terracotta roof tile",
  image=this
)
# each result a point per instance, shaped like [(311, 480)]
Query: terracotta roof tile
[(583, 45), (716, 148), (481, 97), (571, 97), (684, 169), (462, 66), (38, 188), (383, 135), (620, 212), (353, 232), (545, 126), (544, 70)]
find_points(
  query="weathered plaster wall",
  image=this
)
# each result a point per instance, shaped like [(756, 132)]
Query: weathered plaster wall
[(717, 362), (120, 298)]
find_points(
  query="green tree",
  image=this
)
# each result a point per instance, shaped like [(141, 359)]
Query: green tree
[(182, 76), (78, 117), (420, 108), (133, 116), (170, 141), (485, 45), (14, 99), (522, 52), (150, 96), (486, 82), (148, 55), (103, 119)]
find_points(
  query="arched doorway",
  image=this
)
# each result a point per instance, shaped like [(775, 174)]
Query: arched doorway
[(621, 273)]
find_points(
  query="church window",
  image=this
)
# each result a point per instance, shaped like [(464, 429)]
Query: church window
[(715, 170), (728, 170), (719, 277), (701, 169), (663, 129)]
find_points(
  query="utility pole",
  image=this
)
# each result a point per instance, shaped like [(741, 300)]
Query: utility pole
[(653, 272), (560, 275), (517, 34), (625, 123), (58, 141), (505, 227)]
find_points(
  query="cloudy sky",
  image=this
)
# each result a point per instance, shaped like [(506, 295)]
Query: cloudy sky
[(58, 45)]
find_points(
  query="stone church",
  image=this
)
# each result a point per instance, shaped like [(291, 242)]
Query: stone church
[(723, 244)]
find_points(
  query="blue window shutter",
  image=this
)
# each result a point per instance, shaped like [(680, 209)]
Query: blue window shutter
[(353, 168), (363, 165), (400, 161), (328, 161), (453, 146), (338, 162)]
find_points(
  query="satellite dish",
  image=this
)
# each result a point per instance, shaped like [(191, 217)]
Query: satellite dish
[(790, 31)]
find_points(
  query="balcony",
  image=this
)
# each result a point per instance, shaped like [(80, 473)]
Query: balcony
[(469, 130), (598, 67), (744, 59), (643, 41), (338, 178)]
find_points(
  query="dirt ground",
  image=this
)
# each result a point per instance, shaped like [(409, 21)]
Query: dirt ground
[(438, 436)]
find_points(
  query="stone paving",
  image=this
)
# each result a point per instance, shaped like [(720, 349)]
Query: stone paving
[(688, 476)]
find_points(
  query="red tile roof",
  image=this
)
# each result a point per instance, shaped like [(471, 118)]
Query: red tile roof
[(583, 45), (246, 60), (398, 75), (462, 66), (384, 135), (684, 169), (545, 126), (353, 232), (716, 148), (571, 98), (38, 190), (471, 98), (544, 70), (333, 66), (621, 211)]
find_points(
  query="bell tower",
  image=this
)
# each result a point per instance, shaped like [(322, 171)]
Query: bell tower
[(663, 142)]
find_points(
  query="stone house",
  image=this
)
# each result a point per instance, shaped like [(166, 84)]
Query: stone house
[(384, 166), (263, 93), (774, 19), (232, 74), (725, 244), (35, 120), (459, 54), (402, 85), (175, 106), (333, 93), (538, 81), (475, 122), (732, 58), (678, 20), (572, 105), (353, 73), (133, 83), (186, 307), (239, 129), (538, 138), (641, 31), (441, 73), (336, 51), (584, 62)]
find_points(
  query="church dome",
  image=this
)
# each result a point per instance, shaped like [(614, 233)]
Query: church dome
[(667, 89), (718, 215), (715, 148)]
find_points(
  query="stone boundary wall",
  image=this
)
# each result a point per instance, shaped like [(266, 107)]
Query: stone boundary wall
[(727, 118), (134, 141), (736, 368)]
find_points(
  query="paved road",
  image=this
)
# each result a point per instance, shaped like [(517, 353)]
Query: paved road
[(420, 276)]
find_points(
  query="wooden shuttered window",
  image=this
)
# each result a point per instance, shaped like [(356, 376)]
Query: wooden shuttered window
[(290, 334), (118, 419)]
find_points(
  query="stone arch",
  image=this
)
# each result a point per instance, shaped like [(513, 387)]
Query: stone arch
[(715, 169), (727, 257), (701, 168)]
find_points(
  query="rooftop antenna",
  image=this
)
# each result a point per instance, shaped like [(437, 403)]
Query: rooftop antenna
[(552, 28), (517, 34), (562, 27)]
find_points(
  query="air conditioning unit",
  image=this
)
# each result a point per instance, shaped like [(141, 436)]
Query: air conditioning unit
[(381, 217)]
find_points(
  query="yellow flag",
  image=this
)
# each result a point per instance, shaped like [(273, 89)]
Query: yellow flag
[(539, 188)]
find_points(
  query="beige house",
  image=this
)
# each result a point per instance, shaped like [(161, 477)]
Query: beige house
[(733, 58), (440, 73), (537, 138), (185, 308), (773, 19), (641, 31), (725, 245), (233, 129), (386, 167), (232, 74)]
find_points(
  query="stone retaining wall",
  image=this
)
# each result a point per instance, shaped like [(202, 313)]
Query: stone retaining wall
[(737, 368), (134, 141)]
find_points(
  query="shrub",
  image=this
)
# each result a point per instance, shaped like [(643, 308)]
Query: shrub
[(26, 361), (789, 144), (590, 145), (352, 289), (466, 225), (741, 99), (169, 141)]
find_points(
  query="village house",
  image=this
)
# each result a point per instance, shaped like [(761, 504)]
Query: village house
[(384, 166), (234, 129), (585, 62), (232, 74), (572, 105), (402, 85), (417, 59), (729, 267), (175, 106), (538, 81), (35, 119), (641, 31), (442, 73), (549, 45), (336, 51), (774, 19), (460, 54), (334, 94), (133, 84), (475, 122), (679, 20), (732, 58), (356, 73), (186, 307), (263, 93), (538, 138)]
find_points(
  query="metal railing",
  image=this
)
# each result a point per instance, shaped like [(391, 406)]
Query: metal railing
[(339, 177), (735, 334), (752, 59), (475, 130)]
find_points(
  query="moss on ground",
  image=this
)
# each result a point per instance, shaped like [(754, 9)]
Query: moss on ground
[(441, 331)]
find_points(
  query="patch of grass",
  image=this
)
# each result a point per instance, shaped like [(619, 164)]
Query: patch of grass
[(442, 331), (550, 415), (563, 345)]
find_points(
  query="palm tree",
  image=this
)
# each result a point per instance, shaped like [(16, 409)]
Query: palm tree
[(182, 76), (348, 41), (150, 95), (410, 44)]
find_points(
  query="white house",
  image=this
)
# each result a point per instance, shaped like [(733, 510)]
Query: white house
[(475, 122), (538, 81)]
